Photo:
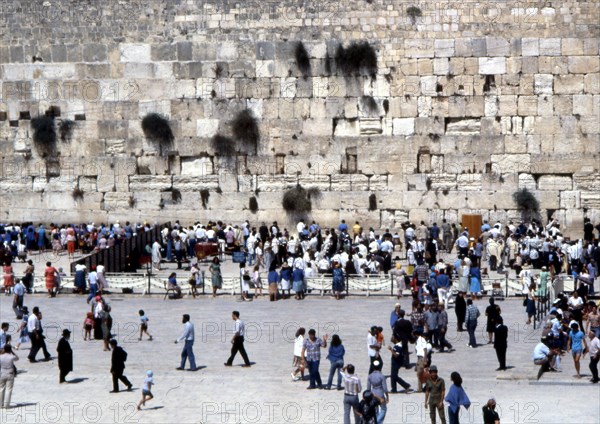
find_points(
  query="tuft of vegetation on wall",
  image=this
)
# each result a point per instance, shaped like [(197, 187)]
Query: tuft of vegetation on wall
[(296, 201), (359, 58), (302, 59), (245, 129), (157, 128), (65, 129), (372, 202), (253, 204), (44, 135)]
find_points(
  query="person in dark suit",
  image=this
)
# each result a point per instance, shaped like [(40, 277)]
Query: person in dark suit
[(65, 356), (501, 342), (403, 332), (119, 356), (460, 308)]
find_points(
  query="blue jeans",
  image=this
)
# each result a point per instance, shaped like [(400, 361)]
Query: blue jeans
[(453, 416), (251, 258), (192, 244), (381, 413), (186, 353), (471, 326), (351, 402), (335, 365), (93, 291), (313, 370)]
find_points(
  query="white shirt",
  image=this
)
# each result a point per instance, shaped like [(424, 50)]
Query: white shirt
[(371, 341), (298, 345), (188, 332), (239, 327), (33, 323), (421, 346)]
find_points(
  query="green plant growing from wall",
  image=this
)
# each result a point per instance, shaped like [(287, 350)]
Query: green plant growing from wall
[(527, 203), (245, 130), (204, 195), (157, 129), (297, 200), (77, 194), (65, 129), (222, 145), (253, 204), (359, 58), (302, 59), (413, 13), (44, 135)]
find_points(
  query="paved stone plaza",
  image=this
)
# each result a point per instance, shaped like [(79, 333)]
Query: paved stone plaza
[(265, 392)]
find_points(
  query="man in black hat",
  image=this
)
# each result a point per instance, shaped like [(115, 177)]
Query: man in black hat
[(65, 355)]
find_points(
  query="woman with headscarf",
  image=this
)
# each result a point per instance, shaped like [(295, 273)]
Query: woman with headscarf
[(456, 397), (298, 279), (338, 280), (273, 281)]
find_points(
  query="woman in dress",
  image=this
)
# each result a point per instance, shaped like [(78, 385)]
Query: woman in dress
[(298, 281), (9, 276), (273, 280), (216, 277), (298, 366), (338, 279), (256, 280), (475, 286), (285, 277), (50, 274), (71, 243), (530, 303)]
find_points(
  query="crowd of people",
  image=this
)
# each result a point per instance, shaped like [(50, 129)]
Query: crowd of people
[(289, 259)]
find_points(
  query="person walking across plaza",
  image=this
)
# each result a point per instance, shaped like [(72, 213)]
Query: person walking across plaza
[(471, 316), (65, 356), (336, 359), (35, 332), (435, 391), (146, 389), (490, 416), (397, 361), (7, 374), (238, 341), (311, 355), (456, 398), (188, 338), (143, 325), (377, 385), (594, 356), (352, 389), (500, 342), (117, 367)]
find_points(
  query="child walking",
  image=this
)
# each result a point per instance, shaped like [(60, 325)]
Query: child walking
[(88, 324), (146, 389), (144, 325)]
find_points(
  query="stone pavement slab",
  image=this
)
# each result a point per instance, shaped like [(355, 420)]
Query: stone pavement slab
[(265, 393)]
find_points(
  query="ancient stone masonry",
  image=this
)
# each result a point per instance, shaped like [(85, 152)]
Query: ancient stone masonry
[(460, 105)]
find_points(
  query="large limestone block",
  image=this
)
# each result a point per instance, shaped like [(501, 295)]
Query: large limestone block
[(418, 48), (590, 199), (195, 183), (403, 126), (530, 46), (278, 183), (444, 48), (587, 182), (492, 65), (321, 182), (568, 84), (497, 46), (16, 184), (570, 199), (150, 182), (117, 201), (543, 83), (196, 167), (349, 182), (555, 182), (510, 163), (64, 184), (378, 183), (527, 181), (550, 47), (207, 127), (584, 64), (135, 53)]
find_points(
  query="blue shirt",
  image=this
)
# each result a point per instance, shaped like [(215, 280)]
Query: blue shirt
[(442, 281), (336, 353), (576, 340), (456, 397)]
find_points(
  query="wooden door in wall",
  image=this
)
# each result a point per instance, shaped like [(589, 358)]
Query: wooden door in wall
[(473, 223)]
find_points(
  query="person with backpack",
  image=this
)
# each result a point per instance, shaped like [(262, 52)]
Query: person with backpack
[(119, 357)]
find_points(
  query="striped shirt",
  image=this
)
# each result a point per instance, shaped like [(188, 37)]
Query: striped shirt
[(352, 386), (472, 313)]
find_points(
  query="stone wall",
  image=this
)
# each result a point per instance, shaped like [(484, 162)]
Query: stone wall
[(470, 102)]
